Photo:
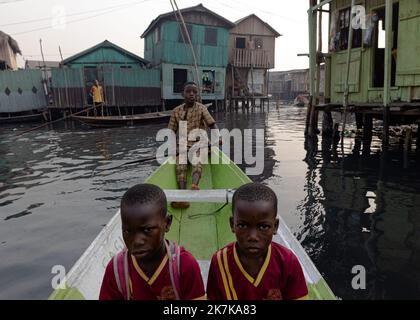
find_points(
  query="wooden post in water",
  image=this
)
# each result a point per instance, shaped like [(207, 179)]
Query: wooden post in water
[(327, 123), (312, 23), (232, 101), (359, 120), (347, 75), (367, 133), (407, 145), (252, 80), (387, 72), (418, 138)]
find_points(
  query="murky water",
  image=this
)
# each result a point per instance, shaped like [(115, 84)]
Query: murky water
[(360, 210)]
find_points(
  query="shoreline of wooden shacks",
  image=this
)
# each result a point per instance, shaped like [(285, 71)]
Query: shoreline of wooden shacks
[(233, 61)]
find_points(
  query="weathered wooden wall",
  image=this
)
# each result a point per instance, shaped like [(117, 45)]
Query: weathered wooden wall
[(7, 55), (170, 50), (122, 87), (407, 85), (21, 90), (250, 29)]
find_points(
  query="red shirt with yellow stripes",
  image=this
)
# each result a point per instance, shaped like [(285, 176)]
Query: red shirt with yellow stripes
[(280, 278), (158, 286)]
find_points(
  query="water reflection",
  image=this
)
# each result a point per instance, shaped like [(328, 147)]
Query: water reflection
[(369, 217), (356, 209)]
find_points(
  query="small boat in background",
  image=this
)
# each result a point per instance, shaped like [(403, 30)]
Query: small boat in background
[(202, 229), (120, 121), (301, 100)]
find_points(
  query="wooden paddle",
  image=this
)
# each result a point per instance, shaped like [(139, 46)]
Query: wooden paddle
[(48, 123)]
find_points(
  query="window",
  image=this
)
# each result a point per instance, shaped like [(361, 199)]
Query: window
[(211, 37), (378, 74), (180, 78), (157, 34), (344, 24), (258, 43), (182, 36), (240, 43)]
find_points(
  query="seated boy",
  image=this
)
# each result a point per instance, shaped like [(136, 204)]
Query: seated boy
[(254, 267), (145, 270)]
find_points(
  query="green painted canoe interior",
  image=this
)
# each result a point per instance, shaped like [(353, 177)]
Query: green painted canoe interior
[(203, 228)]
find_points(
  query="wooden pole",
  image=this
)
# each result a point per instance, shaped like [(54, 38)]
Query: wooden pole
[(312, 23), (252, 81), (233, 85), (44, 71), (48, 123), (327, 123), (418, 138), (387, 72), (61, 55), (192, 48), (318, 62), (407, 145), (367, 133), (347, 78)]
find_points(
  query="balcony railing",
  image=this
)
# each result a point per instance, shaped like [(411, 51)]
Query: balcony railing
[(257, 58)]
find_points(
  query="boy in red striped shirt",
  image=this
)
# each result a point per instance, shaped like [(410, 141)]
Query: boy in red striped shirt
[(148, 259), (254, 267)]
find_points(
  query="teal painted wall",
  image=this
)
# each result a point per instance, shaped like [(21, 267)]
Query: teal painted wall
[(111, 76), (104, 56), (144, 78), (169, 50), (21, 90), (66, 77)]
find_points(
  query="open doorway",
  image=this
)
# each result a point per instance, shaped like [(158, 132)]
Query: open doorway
[(208, 80), (180, 78), (378, 76)]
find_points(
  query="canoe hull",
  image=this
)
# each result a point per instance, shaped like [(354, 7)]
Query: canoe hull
[(111, 121), (202, 229)]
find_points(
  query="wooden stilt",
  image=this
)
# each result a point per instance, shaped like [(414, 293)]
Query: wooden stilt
[(418, 138), (327, 124), (385, 137), (407, 145), (359, 120), (367, 133), (408, 139)]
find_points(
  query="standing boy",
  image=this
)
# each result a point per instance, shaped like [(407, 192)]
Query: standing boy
[(97, 96), (148, 260), (254, 267), (196, 116)]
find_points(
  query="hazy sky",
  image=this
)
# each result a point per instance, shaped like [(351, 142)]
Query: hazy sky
[(123, 21)]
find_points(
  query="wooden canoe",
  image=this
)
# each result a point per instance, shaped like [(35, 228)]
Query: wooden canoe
[(120, 121), (202, 229)]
